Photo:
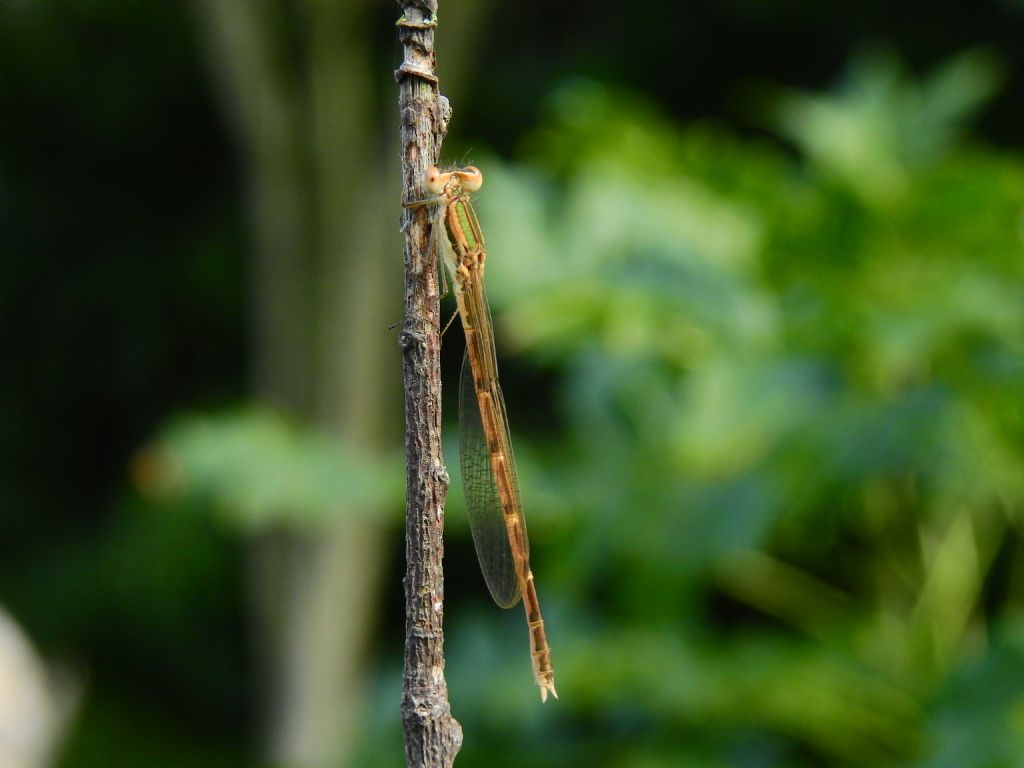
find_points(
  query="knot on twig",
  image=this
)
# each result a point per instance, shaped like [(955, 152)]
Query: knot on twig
[(407, 339), (443, 116), (411, 70), (441, 474), (408, 23)]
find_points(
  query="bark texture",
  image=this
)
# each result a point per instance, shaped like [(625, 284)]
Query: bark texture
[(432, 735)]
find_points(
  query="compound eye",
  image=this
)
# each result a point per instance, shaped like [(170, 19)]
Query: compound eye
[(435, 180), (471, 178)]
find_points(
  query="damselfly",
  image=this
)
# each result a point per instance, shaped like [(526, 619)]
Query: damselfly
[(489, 478)]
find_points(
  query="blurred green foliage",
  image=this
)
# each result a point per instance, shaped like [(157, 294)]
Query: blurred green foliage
[(771, 434), (258, 470), (776, 506), (776, 522)]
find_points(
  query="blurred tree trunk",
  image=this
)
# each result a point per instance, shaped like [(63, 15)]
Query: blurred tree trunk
[(296, 82), (320, 275)]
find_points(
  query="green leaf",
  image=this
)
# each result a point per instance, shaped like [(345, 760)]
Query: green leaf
[(259, 469)]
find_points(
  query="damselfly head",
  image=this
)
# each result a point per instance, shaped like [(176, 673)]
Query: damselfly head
[(470, 178), (435, 181)]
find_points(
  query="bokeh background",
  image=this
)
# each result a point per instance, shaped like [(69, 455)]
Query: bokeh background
[(757, 274)]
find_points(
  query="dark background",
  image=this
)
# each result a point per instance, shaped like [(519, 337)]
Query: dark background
[(126, 298)]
